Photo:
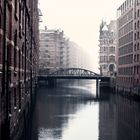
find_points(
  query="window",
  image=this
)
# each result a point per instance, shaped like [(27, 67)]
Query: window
[(19, 94), (137, 69), (134, 58), (138, 13), (138, 35), (15, 49), (138, 46), (135, 47), (22, 56), (20, 21), (135, 15), (19, 58), (23, 20), (10, 103), (137, 57), (0, 7), (138, 24), (135, 37), (112, 49), (112, 58), (16, 8), (134, 69), (135, 26), (15, 99)]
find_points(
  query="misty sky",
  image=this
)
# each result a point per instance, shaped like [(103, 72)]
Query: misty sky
[(80, 20)]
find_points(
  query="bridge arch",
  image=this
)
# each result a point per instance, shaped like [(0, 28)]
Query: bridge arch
[(74, 72)]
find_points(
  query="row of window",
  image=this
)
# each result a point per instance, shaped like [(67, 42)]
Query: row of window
[(18, 96), (136, 58), (136, 69), (126, 49), (125, 71), (106, 59), (126, 39), (126, 18), (136, 36), (126, 60), (129, 59), (137, 14), (105, 49), (137, 2), (137, 25), (106, 41), (125, 80), (136, 47), (126, 5), (127, 28)]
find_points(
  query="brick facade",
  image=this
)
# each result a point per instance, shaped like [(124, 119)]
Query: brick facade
[(18, 62), (125, 46), (128, 47)]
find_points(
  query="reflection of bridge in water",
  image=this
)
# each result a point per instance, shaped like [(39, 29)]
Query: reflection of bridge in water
[(73, 73)]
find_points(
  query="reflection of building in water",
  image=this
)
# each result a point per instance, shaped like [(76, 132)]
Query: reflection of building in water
[(107, 120), (128, 119), (119, 119)]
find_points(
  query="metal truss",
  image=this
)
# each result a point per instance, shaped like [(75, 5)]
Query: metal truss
[(74, 72)]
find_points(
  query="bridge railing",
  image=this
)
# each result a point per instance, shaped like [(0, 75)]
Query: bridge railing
[(74, 71)]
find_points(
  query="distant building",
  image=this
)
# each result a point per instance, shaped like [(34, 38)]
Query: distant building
[(74, 55), (78, 58), (56, 51), (107, 52), (127, 48), (53, 52)]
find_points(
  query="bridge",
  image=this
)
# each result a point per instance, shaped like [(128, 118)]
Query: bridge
[(73, 73)]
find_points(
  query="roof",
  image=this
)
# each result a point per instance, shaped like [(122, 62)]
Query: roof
[(105, 28)]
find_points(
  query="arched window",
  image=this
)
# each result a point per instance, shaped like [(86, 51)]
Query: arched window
[(111, 67)]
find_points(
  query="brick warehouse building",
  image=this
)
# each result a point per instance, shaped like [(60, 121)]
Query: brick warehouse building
[(125, 46), (128, 78), (18, 64)]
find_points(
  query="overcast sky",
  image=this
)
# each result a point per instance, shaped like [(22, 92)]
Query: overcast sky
[(80, 20)]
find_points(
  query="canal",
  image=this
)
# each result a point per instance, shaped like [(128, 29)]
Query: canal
[(72, 111)]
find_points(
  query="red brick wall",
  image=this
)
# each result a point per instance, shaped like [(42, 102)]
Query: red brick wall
[(22, 59)]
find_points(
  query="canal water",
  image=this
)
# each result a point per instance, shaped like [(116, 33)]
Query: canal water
[(72, 111)]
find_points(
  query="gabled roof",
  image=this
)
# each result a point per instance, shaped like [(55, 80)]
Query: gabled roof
[(105, 28)]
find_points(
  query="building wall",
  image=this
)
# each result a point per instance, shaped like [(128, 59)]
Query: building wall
[(107, 52), (136, 48), (128, 46), (53, 50), (18, 63), (78, 58)]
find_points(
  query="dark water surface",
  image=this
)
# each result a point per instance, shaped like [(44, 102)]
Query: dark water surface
[(72, 111)]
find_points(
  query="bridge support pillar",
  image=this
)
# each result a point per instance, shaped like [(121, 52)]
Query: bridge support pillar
[(52, 83), (97, 87)]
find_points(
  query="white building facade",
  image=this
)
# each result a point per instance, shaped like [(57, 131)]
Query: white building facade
[(107, 48)]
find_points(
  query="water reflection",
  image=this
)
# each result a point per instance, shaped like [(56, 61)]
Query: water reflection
[(119, 119), (67, 113)]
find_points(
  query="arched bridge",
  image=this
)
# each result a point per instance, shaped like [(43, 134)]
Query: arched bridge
[(72, 73)]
